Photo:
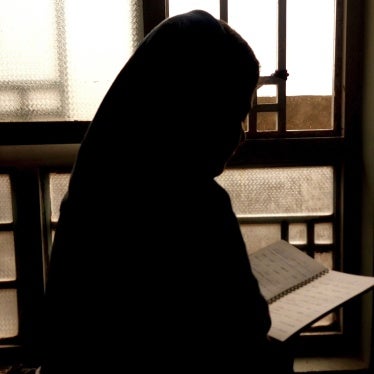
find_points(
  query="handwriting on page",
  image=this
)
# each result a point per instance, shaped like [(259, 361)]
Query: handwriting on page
[(309, 303), (278, 270)]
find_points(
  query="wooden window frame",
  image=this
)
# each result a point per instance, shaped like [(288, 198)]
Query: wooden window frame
[(60, 140), (339, 148)]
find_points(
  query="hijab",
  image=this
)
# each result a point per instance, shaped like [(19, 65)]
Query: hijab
[(182, 96), (147, 244)]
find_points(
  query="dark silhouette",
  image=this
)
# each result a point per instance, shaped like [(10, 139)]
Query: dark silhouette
[(149, 271)]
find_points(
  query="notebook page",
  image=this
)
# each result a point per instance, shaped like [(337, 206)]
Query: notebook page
[(280, 267), (304, 306)]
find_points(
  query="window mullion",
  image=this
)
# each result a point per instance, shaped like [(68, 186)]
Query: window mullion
[(281, 85), (223, 10)]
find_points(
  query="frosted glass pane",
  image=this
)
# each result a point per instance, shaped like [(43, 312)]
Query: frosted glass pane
[(326, 321), (267, 121), (8, 314), (325, 258), (257, 236), (323, 233), (100, 36), (7, 257), (297, 233), (58, 58), (257, 22), (182, 6), (6, 211), (309, 112), (289, 191), (58, 185), (28, 41)]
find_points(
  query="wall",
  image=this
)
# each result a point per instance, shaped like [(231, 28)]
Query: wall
[(368, 155)]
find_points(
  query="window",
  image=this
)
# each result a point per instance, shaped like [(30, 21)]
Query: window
[(57, 63), (294, 200), (290, 179), (297, 175)]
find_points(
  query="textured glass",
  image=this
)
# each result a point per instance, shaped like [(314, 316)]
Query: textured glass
[(323, 233), (309, 112), (325, 258), (297, 233), (182, 6), (8, 313), (267, 121), (59, 57), (6, 211), (326, 321), (288, 191), (7, 256), (28, 42), (259, 235), (58, 185), (257, 22)]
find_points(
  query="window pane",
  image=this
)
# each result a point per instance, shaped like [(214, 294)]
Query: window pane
[(28, 41), (60, 57), (267, 121), (257, 22), (8, 313), (310, 46), (297, 233), (6, 211), (259, 235), (7, 256), (272, 192), (309, 112), (325, 258), (58, 185), (323, 233), (182, 6), (310, 63), (267, 94)]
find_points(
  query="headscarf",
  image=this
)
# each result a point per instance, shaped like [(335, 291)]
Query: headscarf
[(148, 252), (181, 96)]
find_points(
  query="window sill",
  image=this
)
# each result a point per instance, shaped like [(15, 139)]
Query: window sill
[(329, 364)]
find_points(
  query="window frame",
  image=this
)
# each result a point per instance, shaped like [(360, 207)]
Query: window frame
[(56, 145), (339, 147)]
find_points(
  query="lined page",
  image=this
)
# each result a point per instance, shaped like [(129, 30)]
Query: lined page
[(304, 306), (280, 267)]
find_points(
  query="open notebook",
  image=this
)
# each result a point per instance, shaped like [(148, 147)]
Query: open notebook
[(299, 289)]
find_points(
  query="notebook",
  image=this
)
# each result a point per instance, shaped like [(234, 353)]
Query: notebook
[(299, 289)]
